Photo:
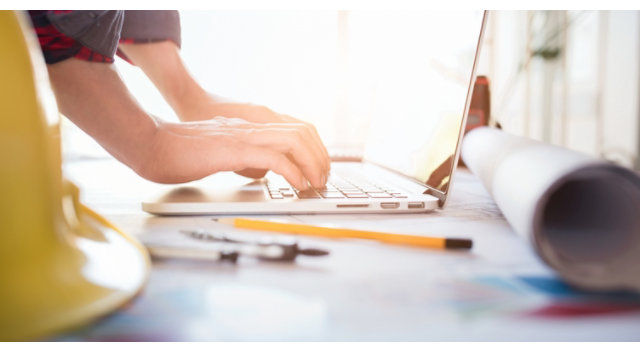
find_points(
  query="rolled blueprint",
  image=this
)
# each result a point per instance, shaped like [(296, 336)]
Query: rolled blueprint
[(581, 214)]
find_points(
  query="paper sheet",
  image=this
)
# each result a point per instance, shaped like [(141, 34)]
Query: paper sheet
[(580, 214)]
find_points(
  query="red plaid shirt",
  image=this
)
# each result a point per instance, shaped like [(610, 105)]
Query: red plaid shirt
[(94, 35)]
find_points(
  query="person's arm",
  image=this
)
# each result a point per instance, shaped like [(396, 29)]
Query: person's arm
[(162, 63), (94, 97)]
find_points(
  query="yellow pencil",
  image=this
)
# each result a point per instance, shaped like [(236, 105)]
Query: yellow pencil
[(392, 238)]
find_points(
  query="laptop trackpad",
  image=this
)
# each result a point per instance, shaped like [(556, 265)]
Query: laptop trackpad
[(251, 192)]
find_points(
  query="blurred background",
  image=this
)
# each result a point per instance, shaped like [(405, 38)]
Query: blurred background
[(570, 78)]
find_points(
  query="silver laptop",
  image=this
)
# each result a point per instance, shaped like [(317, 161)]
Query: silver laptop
[(424, 85)]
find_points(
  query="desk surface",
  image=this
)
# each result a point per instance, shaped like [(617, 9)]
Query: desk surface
[(363, 291)]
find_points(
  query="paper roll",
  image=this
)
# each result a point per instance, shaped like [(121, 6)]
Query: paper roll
[(581, 214)]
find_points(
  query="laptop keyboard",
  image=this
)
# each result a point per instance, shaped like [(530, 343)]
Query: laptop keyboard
[(338, 187)]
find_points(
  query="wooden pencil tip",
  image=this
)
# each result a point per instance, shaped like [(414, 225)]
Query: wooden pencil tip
[(228, 221)]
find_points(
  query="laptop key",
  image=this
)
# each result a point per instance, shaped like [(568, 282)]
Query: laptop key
[(379, 195), (356, 195), (308, 194), (329, 194), (351, 191)]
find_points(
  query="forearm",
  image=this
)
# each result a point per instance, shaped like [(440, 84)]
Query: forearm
[(162, 63), (93, 96)]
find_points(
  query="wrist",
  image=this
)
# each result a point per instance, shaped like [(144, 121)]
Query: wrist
[(210, 107)]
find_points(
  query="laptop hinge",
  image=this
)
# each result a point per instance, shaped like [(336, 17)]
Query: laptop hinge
[(437, 194)]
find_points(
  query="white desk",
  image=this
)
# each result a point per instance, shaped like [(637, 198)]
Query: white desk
[(362, 290)]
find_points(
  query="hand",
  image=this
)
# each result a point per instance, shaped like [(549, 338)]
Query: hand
[(203, 106), (192, 103), (192, 150)]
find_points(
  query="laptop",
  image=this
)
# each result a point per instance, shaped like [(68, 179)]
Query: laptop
[(422, 83)]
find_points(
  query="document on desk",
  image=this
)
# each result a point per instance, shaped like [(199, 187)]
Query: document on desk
[(581, 214)]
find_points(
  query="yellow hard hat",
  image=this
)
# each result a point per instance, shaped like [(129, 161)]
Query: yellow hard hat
[(61, 264)]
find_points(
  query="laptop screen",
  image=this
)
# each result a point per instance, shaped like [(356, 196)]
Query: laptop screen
[(421, 79)]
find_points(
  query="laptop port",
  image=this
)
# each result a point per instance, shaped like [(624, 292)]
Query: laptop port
[(353, 205), (390, 205), (416, 205)]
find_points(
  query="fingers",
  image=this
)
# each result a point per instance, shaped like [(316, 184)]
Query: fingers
[(311, 130), (298, 140), (249, 156), (295, 142), (252, 173), (283, 122), (316, 137), (290, 149)]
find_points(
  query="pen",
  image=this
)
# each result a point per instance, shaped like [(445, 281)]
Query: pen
[(330, 232), (231, 251)]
